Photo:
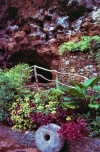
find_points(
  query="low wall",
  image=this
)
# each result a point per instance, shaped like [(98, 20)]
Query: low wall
[(84, 145), (27, 139)]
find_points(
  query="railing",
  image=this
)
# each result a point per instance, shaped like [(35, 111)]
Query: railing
[(55, 72)]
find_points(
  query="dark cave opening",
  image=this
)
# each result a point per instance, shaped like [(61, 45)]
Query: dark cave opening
[(46, 74), (19, 57)]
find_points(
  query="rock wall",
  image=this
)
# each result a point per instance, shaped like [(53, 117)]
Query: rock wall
[(83, 64), (27, 139), (32, 30), (84, 145)]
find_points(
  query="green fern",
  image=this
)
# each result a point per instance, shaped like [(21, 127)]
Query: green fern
[(66, 46), (96, 38), (83, 45), (14, 74)]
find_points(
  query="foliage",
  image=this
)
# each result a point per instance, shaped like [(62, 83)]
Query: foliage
[(6, 95), (94, 127), (73, 130), (14, 74), (79, 96), (85, 103), (57, 117), (50, 100), (96, 38), (19, 111), (93, 123), (66, 46), (10, 80), (83, 45), (33, 109), (29, 110)]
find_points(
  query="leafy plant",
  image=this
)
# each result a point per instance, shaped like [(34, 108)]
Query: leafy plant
[(85, 99), (37, 108), (79, 97), (66, 46), (73, 130), (94, 127), (93, 123), (6, 95), (15, 73), (19, 111), (47, 101), (96, 38), (10, 80), (83, 45)]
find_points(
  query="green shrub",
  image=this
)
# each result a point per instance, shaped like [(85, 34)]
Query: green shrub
[(6, 95), (85, 100), (79, 96), (10, 81), (20, 110), (15, 73), (94, 127), (96, 38), (66, 46), (83, 45), (28, 103), (30, 110), (93, 123), (50, 100)]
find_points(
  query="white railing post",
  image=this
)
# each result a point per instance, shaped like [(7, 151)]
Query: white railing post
[(22, 77), (36, 78), (56, 79)]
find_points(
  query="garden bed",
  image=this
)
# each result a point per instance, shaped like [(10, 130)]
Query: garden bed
[(76, 109)]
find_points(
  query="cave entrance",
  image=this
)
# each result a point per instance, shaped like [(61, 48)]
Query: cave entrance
[(46, 74)]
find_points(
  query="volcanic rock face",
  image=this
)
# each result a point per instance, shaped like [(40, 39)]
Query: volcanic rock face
[(32, 30)]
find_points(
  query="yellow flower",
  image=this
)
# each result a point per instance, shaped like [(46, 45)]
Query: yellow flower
[(53, 112), (40, 107), (68, 118)]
